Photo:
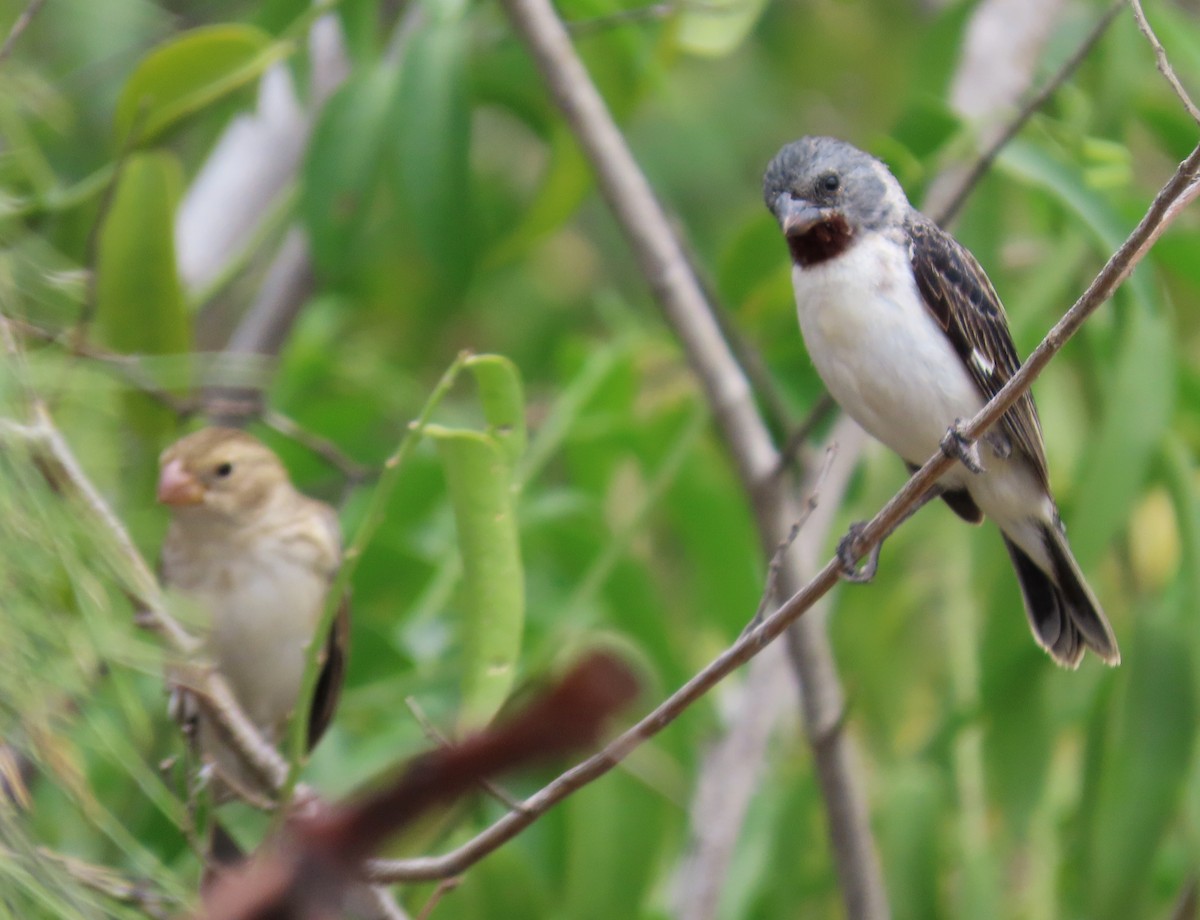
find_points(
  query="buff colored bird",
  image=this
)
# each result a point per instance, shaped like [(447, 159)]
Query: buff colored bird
[(256, 558)]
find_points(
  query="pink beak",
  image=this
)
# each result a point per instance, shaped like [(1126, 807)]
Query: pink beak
[(178, 487)]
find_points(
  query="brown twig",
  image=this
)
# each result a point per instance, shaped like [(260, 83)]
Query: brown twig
[(352, 471), (821, 410), (1160, 59), (728, 777), (446, 886), (306, 874), (18, 28), (987, 158), (781, 551), (129, 368), (663, 262), (433, 734)]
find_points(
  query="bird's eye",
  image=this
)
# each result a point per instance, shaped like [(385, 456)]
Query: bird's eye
[(223, 469), (830, 182)]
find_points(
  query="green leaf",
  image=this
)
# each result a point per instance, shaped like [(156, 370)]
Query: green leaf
[(1146, 767), (341, 172), (479, 477), (503, 401), (717, 28), (910, 812), (431, 121), (607, 868), (1178, 475), (1140, 403), (140, 306), (564, 184), (188, 73), (1037, 167)]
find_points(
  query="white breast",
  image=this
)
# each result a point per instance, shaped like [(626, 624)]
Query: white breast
[(879, 351)]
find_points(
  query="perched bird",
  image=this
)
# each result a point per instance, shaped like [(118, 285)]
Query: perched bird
[(909, 336), (256, 558)]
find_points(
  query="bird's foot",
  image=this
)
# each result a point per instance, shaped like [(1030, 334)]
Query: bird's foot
[(848, 555), (958, 446)]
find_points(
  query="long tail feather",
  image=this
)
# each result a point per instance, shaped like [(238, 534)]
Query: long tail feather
[(1063, 613)]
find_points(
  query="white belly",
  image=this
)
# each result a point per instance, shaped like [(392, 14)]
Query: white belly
[(879, 351), (891, 368)]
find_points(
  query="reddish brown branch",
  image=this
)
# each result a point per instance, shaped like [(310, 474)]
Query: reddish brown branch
[(306, 876)]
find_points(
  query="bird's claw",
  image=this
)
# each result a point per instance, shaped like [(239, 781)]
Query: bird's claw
[(848, 556), (958, 446)]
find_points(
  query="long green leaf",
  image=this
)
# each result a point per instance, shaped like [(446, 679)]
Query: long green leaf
[(1146, 767), (479, 477), (1140, 400), (188, 73), (431, 124), (140, 305), (341, 173)]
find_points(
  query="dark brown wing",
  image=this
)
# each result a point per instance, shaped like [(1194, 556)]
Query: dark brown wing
[(962, 300), (333, 674)]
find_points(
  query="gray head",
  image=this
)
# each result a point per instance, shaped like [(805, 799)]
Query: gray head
[(825, 192)]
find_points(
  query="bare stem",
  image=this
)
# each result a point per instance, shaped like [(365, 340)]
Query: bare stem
[(984, 163), (19, 27), (1160, 59)]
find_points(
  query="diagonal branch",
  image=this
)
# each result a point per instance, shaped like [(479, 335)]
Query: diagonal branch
[(943, 214), (1182, 188), (664, 264), (1160, 59)]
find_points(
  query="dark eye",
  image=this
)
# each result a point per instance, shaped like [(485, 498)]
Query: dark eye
[(223, 469), (830, 182)]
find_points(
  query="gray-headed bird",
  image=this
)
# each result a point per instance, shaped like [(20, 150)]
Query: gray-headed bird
[(906, 331)]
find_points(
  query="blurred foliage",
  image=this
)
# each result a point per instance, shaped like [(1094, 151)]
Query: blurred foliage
[(447, 208)]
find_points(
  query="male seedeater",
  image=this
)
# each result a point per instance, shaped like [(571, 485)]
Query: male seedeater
[(257, 558), (909, 336)]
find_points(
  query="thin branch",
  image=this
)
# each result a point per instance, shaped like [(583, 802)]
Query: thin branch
[(1160, 59), (354, 472), (19, 27), (664, 264), (821, 410), (435, 735), (127, 367), (1181, 189), (446, 886), (986, 159), (130, 369), (728, 777), (779, 557), (114, 886)]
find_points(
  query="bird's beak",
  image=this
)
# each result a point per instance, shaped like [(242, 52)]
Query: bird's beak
[(797, 216), (178, 487)]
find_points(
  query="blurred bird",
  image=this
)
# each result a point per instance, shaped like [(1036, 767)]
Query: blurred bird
[(256, 558), (909, 336)]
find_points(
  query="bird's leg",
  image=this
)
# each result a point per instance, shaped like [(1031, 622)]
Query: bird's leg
[(848, 552), (958, 446), (848, 555)]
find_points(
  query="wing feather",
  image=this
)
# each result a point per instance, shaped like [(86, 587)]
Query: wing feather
[(958, 294)]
